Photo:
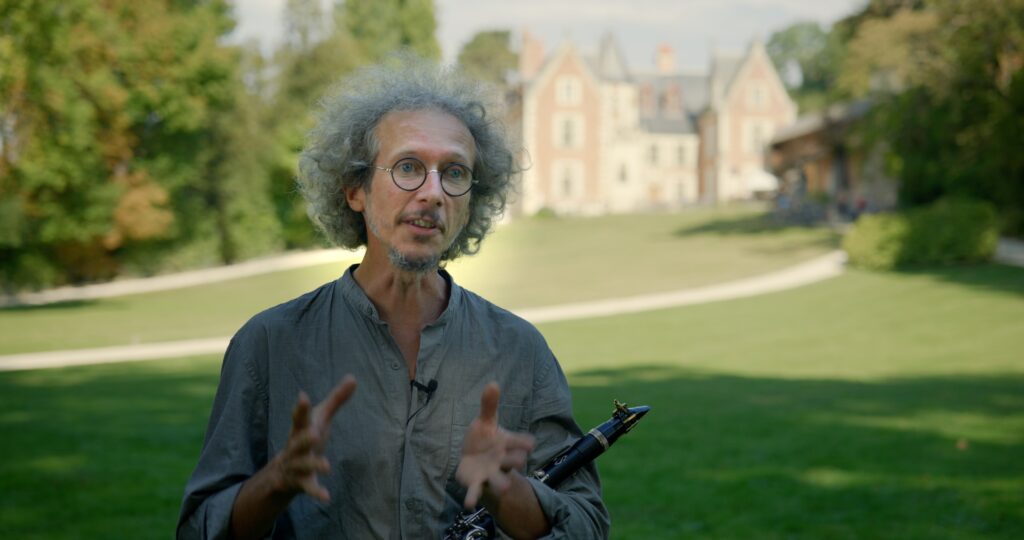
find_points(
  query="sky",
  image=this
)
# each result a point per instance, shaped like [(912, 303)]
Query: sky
[(693, 28)]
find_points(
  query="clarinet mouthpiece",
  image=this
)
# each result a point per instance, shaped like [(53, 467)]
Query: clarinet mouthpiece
[(629, 415), (622, 421)]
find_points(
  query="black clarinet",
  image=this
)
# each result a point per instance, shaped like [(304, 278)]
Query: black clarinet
[(479, 524)]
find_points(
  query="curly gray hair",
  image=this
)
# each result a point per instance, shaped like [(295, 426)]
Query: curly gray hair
[(342, 148)]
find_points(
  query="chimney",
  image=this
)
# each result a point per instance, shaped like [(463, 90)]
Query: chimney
[(531, 56), (665, 60)]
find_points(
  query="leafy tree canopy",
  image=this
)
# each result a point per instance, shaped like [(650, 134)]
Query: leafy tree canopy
[(488, 56), (810, 52), (948, 83), (380, 27), (102, 105)]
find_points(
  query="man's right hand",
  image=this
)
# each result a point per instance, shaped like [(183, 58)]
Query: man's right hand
[(293, 471), (303, 458)]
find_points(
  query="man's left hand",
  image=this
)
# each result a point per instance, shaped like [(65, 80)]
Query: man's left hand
[(489, 453)]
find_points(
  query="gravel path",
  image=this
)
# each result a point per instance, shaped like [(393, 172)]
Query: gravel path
[(822, 268), (184, 279), (1009, 252)]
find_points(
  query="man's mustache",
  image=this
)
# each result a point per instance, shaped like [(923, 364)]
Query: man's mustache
[(432, 216)]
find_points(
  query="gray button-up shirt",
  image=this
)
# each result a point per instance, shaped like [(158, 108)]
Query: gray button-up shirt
[(393, 448)]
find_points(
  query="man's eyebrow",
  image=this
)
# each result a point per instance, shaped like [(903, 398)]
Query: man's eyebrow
[(452, 157)]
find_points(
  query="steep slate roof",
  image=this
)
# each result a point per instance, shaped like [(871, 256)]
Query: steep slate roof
[(838, 115), (693, 91), (610, 64), (724, 68), (679, 124)]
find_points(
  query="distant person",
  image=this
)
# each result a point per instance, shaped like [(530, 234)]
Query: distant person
[(407, 161), (859, 208)]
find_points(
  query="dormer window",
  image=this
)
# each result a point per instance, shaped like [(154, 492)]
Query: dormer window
[(568, 90), (757, 97)]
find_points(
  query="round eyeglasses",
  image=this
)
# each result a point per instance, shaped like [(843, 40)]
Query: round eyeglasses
[(410, 173)]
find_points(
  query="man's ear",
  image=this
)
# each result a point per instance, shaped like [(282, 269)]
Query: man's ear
[(356, 198)]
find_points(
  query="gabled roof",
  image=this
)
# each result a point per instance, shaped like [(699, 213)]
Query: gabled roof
[(835, 116), (694, 88), (564, 51), (610, 63), (677, 125), (695, 92), (724, 68)]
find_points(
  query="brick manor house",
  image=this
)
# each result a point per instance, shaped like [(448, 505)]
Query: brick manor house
[(600, 138)]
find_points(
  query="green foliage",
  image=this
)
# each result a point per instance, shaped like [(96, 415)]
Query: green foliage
[(487, 56), (132, 140), (946, 232), (876, 241), (892, 53), (121, 139), (546, 213), (304, 23), (381, 27), (815, 54), (948, 88), (306, 67)]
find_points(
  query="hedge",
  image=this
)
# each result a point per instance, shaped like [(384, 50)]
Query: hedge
[(949, 231)]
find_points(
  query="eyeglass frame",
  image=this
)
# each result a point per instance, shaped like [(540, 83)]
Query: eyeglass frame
[(440, 174)]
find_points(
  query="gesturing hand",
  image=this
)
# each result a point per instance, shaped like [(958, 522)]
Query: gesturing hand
[(489, 453), (303, 457)]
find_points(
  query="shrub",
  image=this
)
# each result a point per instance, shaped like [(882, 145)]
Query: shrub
[(876, 241), (947, 232), (546, 213)]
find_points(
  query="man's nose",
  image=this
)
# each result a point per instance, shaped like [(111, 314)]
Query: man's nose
[(431, 188)]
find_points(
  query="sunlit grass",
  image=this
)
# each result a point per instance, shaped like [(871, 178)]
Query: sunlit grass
[(866, 406), (529, 262)]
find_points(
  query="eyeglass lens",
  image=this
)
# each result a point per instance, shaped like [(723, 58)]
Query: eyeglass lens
[(411, 173)]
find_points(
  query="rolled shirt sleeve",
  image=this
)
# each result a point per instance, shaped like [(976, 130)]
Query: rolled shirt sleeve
[(575, 508), (235, 445)]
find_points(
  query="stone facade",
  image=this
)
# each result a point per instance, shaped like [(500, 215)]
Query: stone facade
[(600, 138)]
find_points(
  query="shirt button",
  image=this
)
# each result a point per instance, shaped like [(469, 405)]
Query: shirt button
[(413, 505), (395, 365)]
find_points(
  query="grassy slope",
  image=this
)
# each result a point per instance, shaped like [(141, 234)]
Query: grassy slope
[(526, 263), (868, 406)]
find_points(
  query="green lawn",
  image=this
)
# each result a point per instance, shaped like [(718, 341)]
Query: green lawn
[(866, 406), (529, 262)]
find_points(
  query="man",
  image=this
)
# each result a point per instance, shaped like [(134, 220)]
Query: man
[(404, 161)]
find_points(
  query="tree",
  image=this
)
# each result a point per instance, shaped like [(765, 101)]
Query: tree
[(107, 111), (419, 28), (892, 53), (238, 183), (380, 27), (305, 24), (948, 83), (488, 57), (808, 48), (304, 70)]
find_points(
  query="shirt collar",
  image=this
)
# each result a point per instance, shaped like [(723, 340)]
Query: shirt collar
[(356, 297)]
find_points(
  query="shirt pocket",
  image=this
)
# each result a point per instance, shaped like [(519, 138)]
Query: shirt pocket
[(510, 418)]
